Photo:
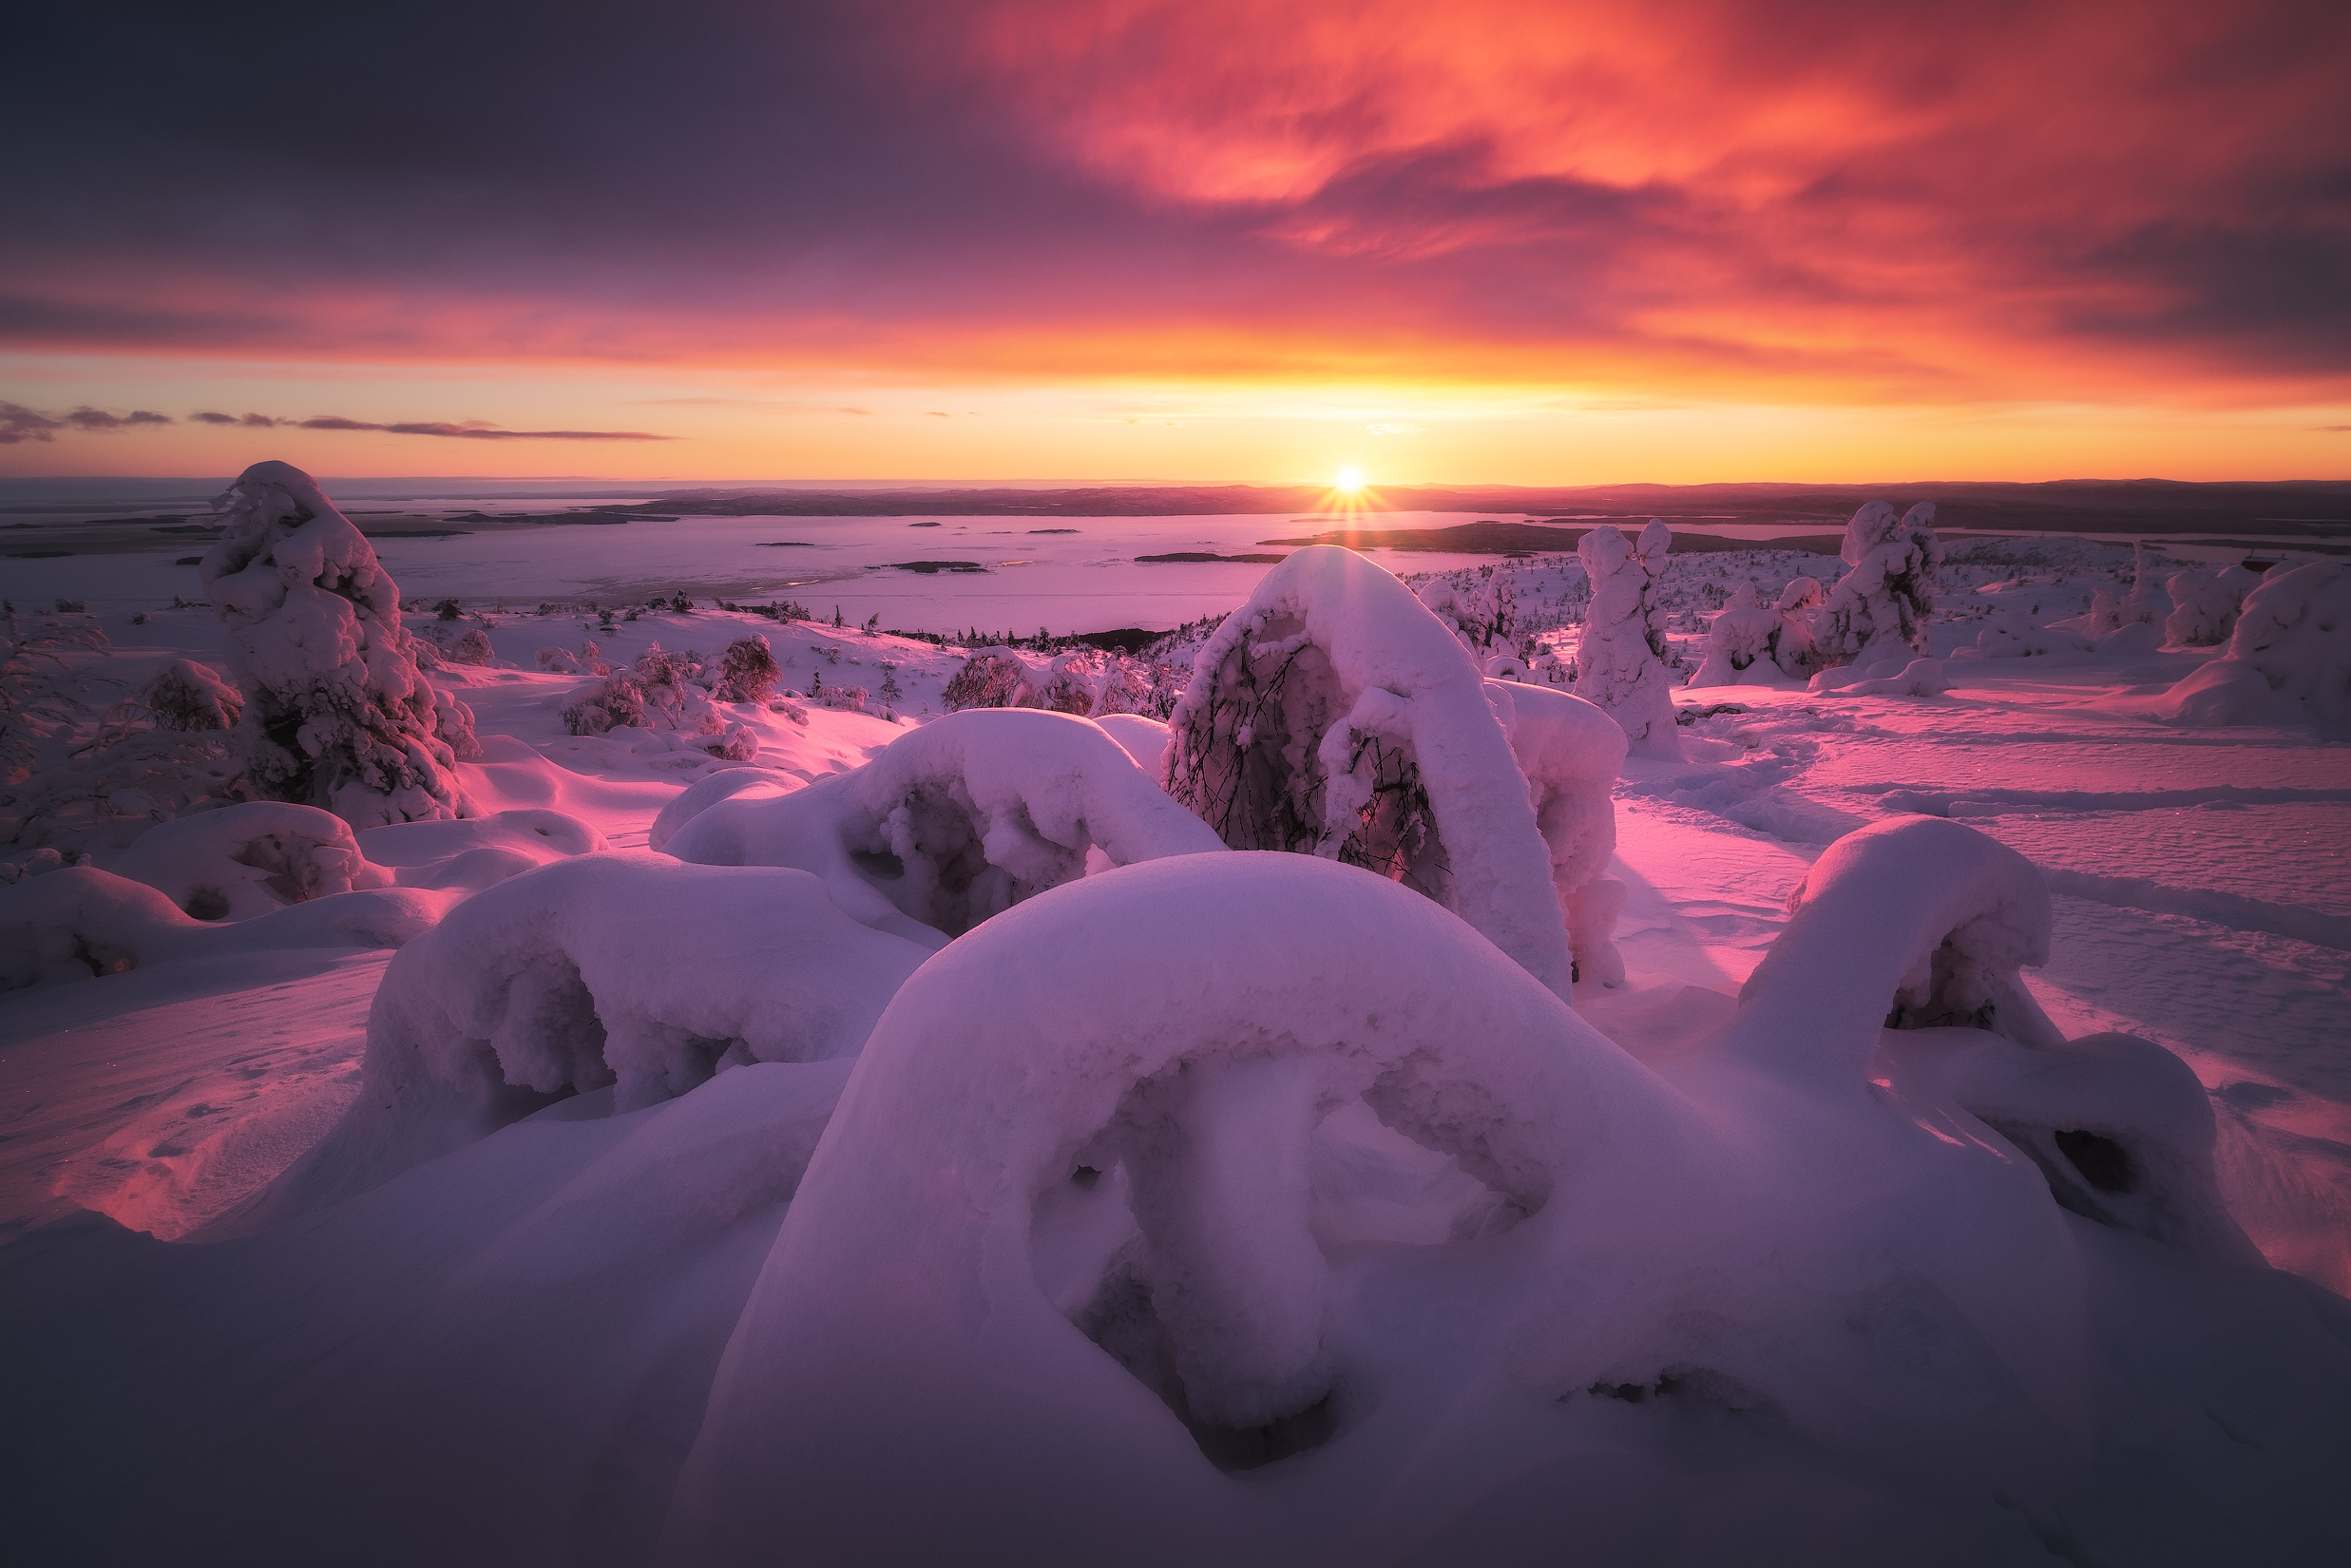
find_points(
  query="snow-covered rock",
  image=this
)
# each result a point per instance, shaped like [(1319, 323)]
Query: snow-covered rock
[(1334, 715), (1620, 663), (953, 822), (338, 715)]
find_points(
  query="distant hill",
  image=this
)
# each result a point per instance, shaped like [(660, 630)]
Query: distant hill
[(2288, 507)]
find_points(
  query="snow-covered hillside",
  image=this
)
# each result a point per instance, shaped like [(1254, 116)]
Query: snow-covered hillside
[(807, 1127)]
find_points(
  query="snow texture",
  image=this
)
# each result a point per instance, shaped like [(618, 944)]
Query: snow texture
[(2205, 607), (1334, 715), (1620, 663), (337, 713), (1878, 610), (621, 969), (2288, 658), (954, 822)]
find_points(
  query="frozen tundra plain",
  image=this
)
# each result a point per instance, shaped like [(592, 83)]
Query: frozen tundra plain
[(650, 1100)]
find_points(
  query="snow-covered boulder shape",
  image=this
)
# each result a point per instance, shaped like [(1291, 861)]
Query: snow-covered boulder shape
[(1333, 715), (1571, 752), (1620, 663), (956, 821), (337, 713), (625, 970), (1907, 937), (1742, 633), (1878, 610), (189, 696), (1145, 738), (248, 859), (2287, 661), (2205, 607), (1190, 1021), (79, 923)]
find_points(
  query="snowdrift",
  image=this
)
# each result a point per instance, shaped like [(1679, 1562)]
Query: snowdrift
[(954, 822), (619, 970)]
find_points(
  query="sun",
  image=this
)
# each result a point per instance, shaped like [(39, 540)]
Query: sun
[(1348, 479)]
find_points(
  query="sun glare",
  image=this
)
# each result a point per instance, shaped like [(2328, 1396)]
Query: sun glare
[(1347, 480)]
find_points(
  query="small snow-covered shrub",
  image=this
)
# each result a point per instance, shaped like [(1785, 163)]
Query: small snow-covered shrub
[(77, 923), (1741, 633), (470, 646), (1621, 661), (992, 678), (249, 859), (955, 822), (1089, 682), (1334, 715), (1480, 607), (747, 671), (190, 697), (338, 715), (847, 699), (1794, 646), (1878, 610), (2289, 657), (620, 969), (2205, 608)]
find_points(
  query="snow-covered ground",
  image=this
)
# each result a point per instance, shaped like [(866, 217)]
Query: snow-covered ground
[(1761, 1312)]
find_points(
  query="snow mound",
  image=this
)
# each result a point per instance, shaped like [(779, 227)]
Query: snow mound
[(2013, 634), (1571, 752), (2290, 658), (248, 859), (338, 715), (1146, 739), (1915, 920), (956, 821), (625, 969), (1879, 609), (1233, 1001), (1620, 663), (478, 851), (1334, 715)]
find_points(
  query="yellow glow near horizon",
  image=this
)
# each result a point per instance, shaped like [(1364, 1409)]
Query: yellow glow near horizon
[(1347, 481)]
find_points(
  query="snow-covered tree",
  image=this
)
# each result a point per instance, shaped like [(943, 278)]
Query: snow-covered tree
[(1878, 610), (2288, 658), (1621, 661), (1794, 646), (189, 696), (2205, 608), (1741, 633), (337, 714), (747, 671)]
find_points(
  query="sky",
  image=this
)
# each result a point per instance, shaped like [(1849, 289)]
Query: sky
[(1213, 239)]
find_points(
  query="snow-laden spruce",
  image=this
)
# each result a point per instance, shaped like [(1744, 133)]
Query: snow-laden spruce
[(624, 970), (1571, 752), (1877, 612), (1620, 663), (1334, 715), (337, 714), (1743, 641), (952, 823), (190, 697), (2288, 658), (1480, 607)]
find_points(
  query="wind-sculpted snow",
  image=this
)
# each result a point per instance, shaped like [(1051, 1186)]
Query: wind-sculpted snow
[(1620, 663), (620, 969), (1235, 1000), (1334, 715), (249, 859), (2288, 658), (955, 822), (1571, 752), (337, 714)]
